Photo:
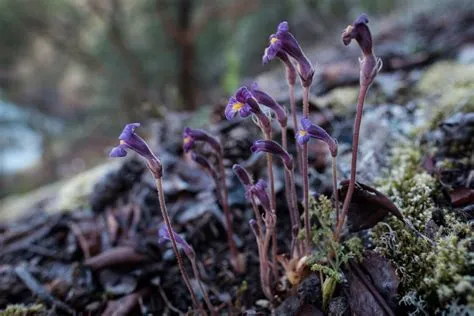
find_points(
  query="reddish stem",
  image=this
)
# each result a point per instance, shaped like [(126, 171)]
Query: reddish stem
[(307, 224), (355, 146), (164, 212), (230, 233)]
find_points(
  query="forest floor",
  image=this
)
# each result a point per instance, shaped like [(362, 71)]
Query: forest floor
[(91, 244)]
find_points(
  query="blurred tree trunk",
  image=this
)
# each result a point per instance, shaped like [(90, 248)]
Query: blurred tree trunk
[(187, 45)]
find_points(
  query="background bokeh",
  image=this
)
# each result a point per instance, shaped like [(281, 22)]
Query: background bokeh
[(72, 72)]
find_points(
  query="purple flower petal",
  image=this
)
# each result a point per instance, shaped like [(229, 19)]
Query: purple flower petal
[(118, 152)]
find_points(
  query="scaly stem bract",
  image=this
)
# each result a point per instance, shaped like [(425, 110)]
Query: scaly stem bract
[(164, 212), (235, 260), (305, 175), (355, 146)]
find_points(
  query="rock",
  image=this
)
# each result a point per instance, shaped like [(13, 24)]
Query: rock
[(309, 291), (289, 307), (338, 306)]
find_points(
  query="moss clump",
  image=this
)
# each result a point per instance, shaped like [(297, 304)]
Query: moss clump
[(23, 310), (449, 87), (351, 248), (438, 274)]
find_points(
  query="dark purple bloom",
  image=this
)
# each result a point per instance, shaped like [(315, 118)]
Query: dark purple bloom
[(243, 175), (130, 140), (272, 147), (244, 103), (164, 235), (258, 190), (369, 64), (360, 32), (284, 41), (310, 130), (268, 101), (191, 135), (238, 104), (204, 163)]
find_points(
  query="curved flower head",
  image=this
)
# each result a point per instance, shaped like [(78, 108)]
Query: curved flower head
[(190, 136), (243, 175), (360, 32), (268, 101), (258, 190), (310, 130), (130, 140), (204, 163), (285, 42), (244, 103), (238, 104), (272, 147), (164, 236), (369, 64)]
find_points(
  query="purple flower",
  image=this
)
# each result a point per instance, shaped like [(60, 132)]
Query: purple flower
[(272, 147), (258, 190), (243, 175), (360, 32), (164, 236), (238, 104), (245, 103), (204, 163), (191, 135), (130, 140), (311, 130), (370, 65), (268, 101), (285, 42)]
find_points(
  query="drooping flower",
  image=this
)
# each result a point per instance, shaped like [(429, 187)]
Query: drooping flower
[(204, 163), (369, 64), (360, 32), (190, 136), (258, 190), (130, 140), (284, 41), (244, 103), (310, 130), (164, 236), (243, 175), (272, 147), (268, 101)]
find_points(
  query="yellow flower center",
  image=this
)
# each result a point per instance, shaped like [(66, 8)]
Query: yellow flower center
[(348, 29), (273, 40), (303, 132), (122, 142), (187, 139), (237, 106)]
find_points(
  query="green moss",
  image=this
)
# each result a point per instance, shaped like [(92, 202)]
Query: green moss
[(449, 87), (438, 275), (323, 214), (23, 310)]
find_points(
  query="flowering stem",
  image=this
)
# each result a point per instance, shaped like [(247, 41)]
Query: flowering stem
[(334, 186), (292, 203), (257, 214), (295, 121), (164, 212), (225, 204), (197, 275), (355, 145), (305, 175), (268, 136)]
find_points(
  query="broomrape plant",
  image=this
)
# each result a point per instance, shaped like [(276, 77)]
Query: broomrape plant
[(246, 102)]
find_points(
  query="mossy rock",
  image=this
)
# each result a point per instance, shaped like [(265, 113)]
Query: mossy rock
[(448, 88), (340, 100)]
